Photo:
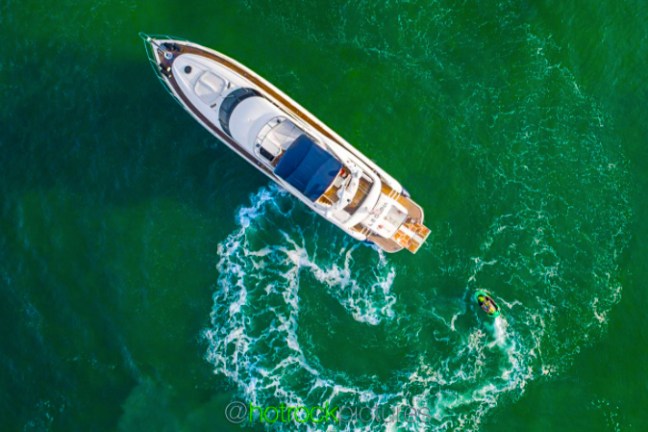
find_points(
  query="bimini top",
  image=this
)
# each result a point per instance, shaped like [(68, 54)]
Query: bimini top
[(308, 167)]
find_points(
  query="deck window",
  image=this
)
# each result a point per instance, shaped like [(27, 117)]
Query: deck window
[(230, 102)]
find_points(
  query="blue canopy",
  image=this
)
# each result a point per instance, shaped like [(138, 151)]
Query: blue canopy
[(308, 167)]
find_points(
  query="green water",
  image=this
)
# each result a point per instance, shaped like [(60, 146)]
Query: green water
[(149, 277)]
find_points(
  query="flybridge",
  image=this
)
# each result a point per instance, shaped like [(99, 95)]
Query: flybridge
[(308, 168)]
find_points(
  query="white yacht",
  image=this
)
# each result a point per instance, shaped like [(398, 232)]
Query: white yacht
[(288, 144)]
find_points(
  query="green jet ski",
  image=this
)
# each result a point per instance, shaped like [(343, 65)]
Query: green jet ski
[(486, 302)]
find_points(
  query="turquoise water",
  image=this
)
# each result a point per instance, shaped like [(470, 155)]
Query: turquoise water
[(150, 277)]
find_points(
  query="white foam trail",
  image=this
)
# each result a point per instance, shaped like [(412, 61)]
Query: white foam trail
[(500, 326), (253, 339)]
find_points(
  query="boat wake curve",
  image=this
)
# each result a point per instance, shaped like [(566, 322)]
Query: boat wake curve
[(257, 340)]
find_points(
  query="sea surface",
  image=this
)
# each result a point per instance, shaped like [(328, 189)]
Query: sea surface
[(150, 278)]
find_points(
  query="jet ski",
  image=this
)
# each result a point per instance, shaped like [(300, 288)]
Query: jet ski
[(486, 303)]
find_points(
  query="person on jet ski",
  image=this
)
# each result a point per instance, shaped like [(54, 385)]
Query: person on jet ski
[(486, 304)]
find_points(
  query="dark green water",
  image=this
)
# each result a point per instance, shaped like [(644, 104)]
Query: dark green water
[(149, 277)]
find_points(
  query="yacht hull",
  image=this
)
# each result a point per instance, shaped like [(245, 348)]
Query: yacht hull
[(208, 83)]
